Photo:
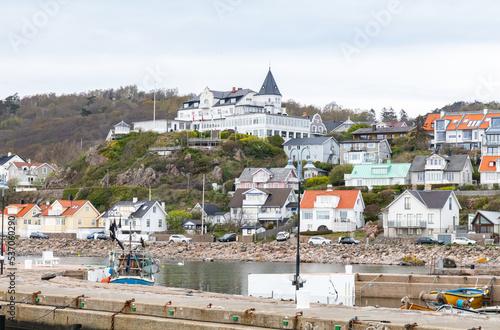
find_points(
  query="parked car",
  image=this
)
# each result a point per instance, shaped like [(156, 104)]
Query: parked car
[(348, 240), (39, 235), (103, 236), (282, 236), (428, 240), (463, 241), (93, 235), (319, 240), (179, 239), (228, 238)]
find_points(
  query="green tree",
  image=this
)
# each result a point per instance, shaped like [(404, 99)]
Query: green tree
[(176, 218), (337, 174), (355, 127), (276, 141)]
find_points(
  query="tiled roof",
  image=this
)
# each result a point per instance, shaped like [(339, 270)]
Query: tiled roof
[(33, 165), (485, 164), (4, 159), (382, 130), (454, 120), (468, 121), (308, 141), (455, 163), (394, 170), (433, 199), (24, 208), (277, 197), (347, 198), (486, 123), (69, 207), (492, 216), (269, 86), (211, 209), (429, 120), (279, 174)]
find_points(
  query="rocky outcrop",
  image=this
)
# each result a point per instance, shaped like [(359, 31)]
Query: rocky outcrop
[(217, 173), (378, 254), (94, 158), (141, 177), (60, 179)]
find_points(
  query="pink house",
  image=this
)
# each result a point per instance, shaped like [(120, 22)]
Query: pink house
[(267, 178)]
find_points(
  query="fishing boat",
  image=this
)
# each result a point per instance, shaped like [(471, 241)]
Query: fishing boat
[(465, 296), (415, 307), (134, 266)]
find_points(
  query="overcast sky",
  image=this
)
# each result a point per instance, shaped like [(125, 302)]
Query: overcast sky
[(415, 55)]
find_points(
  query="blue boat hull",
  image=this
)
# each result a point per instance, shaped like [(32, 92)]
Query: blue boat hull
[(131, 280)]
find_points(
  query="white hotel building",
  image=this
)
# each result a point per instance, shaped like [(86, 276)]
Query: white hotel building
[(242, 110)]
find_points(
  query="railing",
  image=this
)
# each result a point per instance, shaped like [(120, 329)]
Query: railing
[(407, 224), (346, 226)]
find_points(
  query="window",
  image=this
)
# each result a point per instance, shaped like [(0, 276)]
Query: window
[(407, 203), (380, 170), (80, 221), (148, 223), (343, 214), (44, 170), (399, 231), (449, 176), (154, 210), (410, 231), (380, 137), (87, 209), (371, 145), (467, 134), (359, 183), (449, 204), (93, 222), (490, 176), (399, 217), (322, 215), (421, 176), (420, 217), (309, 227), (307, 214), (441, 136)]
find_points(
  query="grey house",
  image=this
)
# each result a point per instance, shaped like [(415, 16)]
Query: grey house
[(324, 149), (441, 169)]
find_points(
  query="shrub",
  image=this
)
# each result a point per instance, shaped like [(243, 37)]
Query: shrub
[(276, 141), (336, 175), (469, 187), (316, 232), (495, 186), (270, 226), (316, 181), (371, 212), (378, 189)]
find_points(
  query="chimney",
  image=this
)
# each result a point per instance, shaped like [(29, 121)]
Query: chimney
[(9, 154), (442, 114), (268, 166), (329, 187), (22, 201), (304, 114), (163, 205), (485, 111), (29, 161), (239, 88), (47, 203), (234, 89), (134, 200)]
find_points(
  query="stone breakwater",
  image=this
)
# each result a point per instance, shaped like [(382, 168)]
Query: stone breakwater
[(377, 254)]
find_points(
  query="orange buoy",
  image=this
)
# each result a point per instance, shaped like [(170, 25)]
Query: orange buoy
[(105, 280)]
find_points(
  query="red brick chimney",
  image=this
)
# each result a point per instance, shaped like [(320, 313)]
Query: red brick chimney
[(234, 89)]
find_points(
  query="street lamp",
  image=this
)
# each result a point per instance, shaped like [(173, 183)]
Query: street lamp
[(3, 186), (290, 166)]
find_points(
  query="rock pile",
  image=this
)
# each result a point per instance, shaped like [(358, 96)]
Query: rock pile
[(378, 254)]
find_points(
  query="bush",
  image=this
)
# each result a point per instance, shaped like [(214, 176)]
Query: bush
[(276, 141), (316, 232), (270, 226), (469, 187), (362, 188), (443, 185), (316, 181), (378, 189), (420, 186), (336, 175), (495, 186), (371, 212)]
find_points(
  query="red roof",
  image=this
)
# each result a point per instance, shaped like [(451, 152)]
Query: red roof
[(347, 198), (454, 120), (69, 207), (465, 124), (35, 165), (485, 123), (429, 120), (485, 164), (25, 208)]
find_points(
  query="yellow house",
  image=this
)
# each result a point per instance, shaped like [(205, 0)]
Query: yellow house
[(25, 216), (78, 217)]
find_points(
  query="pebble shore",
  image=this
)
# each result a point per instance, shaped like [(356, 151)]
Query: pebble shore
[(376, 254)]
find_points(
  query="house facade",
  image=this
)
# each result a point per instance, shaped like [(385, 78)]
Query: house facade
[(380, 133), (336, 210), (212, 213), (489, 170), (370, 175), (322, 149), (5, 162), (141, 217), (364, 152), (30, 176), (486, 222), (269, 177), (317, 127), (417, 213), (441, 169), (257, 205), (24, 214), (79, 217), (490, 145)]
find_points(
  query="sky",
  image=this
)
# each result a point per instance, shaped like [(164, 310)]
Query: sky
[(361, 54)]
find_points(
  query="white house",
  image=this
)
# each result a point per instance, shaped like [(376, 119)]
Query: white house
[(417, 213), (336, 210), (5, 162), (370, 175), (269, 177), (364, 151), (142, 217), (30, 176), (120, 129), (489, 169), (323, 149), (212, 213), (441, 169), (250, 230), (275, 205), (317, 127)]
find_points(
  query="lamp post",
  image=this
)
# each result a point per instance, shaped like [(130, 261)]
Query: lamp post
[(3, 186), (290, 166)]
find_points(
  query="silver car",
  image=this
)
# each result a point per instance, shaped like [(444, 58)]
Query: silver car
[(319, 240), (179, 239)]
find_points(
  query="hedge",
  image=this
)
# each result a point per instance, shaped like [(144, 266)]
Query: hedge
[(317, 232), (362, 188)]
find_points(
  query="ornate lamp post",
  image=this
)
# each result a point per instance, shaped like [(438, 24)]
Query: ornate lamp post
[(3, 186), (290, 166)]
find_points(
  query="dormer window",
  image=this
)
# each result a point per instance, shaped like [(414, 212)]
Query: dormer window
[(222, 101), (233, 100), (186, 105), (491, 164), (196, 104)]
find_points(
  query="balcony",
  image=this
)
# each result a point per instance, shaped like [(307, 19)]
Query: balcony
[(407, 224), (344, 226)]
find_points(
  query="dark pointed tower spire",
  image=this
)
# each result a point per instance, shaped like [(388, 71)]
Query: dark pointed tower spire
[(269, 87)]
